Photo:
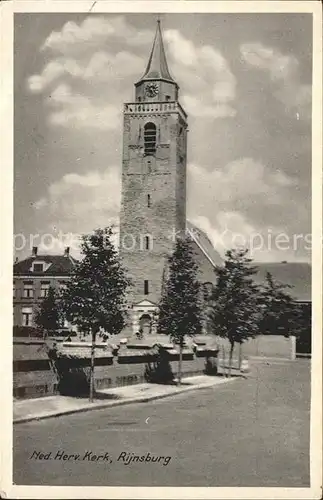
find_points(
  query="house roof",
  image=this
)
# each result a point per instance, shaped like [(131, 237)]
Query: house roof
[(296, 274), (60, 265), (204, 243)]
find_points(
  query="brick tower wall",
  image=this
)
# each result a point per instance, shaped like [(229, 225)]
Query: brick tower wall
[(163, 178)]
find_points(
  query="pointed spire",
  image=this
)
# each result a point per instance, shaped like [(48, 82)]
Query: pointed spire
[(157, 65)]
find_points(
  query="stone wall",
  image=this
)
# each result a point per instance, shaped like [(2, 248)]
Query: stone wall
[(34, 375)]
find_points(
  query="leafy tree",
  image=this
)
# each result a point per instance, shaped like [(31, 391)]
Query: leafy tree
[(179, 307), (280, 311), (95, 296), (235, 305), (49, 314)]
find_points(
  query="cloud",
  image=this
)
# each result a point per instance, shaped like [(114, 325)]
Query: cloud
[(241, 180), (246, 203), (228, 230), (283, 71), (101, 67), (83, 76), (232, 229), (85, 83), (279, 66), (80, 203), (78, 111), (52, 71), (197, 108), (205, 73), (93, 32)]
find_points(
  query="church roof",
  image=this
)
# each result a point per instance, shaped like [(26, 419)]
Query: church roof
[(296, 274), (157, 67), (204, 243)]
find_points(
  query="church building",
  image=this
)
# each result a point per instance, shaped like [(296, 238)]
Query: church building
[(153, 202)]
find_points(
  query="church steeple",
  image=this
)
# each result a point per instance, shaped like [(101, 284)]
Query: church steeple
[(157, 84), (153, 200), (157, 67)]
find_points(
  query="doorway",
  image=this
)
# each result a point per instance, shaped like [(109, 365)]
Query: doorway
[(145, 324)]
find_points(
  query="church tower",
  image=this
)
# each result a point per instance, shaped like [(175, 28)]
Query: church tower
[(153, 204)]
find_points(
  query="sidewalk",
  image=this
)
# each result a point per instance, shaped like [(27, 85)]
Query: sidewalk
[(53, 406)]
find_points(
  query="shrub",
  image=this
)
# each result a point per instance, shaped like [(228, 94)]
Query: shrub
[(72, 380), (211, 367), (160, 371)]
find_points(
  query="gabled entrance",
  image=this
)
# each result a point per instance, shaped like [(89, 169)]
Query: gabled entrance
[(144, 316)]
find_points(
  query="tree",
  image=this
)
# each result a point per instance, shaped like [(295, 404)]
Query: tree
[(49, 315), (179, 307), (280, 312), (235, 305), (95, 296)]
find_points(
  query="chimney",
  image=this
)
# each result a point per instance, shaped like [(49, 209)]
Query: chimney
[(34, 251), (67, 252)]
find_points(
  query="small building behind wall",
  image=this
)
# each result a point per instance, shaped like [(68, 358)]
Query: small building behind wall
[(298, 276)]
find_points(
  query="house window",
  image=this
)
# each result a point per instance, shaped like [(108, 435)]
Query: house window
[(28, 290), (27, 315), (146, 287), (139, 99), (38, 268), (148, 201), (14, 291), (44, 288), (150, 138), (167, 97), (147, 242)]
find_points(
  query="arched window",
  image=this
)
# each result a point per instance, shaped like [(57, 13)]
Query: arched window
[(150, 138)]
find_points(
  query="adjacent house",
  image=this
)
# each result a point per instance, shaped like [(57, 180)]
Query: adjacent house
[(32, 278)]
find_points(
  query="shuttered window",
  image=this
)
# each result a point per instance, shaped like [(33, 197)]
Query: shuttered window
[(150, 138)]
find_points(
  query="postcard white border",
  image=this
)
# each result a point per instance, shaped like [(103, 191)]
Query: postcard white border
[(7, 9)]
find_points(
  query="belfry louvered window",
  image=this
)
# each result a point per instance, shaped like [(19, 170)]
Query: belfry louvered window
[(150, 138)]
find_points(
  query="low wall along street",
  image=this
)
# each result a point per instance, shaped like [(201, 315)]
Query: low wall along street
[(34, 375)]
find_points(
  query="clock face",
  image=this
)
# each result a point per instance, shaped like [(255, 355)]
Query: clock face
[(151, 89)]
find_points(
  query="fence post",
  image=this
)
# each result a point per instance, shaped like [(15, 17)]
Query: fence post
[(293, 347)]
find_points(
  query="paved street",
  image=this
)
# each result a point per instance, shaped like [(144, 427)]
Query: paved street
[(251, 432)]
